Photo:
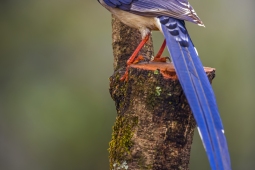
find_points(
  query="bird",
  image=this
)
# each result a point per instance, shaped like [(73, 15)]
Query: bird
[(168, 17)]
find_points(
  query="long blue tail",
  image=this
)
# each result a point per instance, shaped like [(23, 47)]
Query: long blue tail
[(198, 91)]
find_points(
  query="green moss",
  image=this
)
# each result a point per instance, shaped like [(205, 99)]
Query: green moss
[(158, 90), (121, 139), (156, 72)]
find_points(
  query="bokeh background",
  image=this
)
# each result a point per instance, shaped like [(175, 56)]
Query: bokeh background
[(55, 60)]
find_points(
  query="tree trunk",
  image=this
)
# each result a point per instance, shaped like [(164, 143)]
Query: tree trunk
[(154, 125)]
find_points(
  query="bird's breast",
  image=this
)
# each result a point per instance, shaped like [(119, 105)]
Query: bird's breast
[(144, 24)]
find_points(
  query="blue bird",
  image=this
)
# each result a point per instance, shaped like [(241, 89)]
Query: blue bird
[(168, 17)]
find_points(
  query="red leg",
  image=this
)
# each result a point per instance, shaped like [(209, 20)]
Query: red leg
[(140, 46), (161, 50), (133, 56)]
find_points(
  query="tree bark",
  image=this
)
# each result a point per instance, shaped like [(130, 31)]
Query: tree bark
[(154, 126)]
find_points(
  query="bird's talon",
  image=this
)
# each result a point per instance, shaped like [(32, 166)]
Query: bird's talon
[(125, 76), (160, 59), (138, 59)]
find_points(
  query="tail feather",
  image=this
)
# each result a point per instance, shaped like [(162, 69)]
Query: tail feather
[(198, 91)]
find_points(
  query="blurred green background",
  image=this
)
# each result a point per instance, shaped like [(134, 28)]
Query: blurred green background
[(56, 57)]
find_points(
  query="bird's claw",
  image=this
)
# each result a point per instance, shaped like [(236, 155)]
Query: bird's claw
[(125, 76), (159, 59)]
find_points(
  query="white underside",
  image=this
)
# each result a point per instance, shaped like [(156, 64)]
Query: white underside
[(144, 24)]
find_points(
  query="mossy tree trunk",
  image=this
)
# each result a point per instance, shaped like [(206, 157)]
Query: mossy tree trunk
[(154, 125)]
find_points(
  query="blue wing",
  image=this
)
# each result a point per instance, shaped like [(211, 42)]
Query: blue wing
[(180, 9), (198, 91)]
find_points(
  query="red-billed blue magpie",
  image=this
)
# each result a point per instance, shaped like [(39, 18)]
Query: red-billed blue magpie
[(168, 16)]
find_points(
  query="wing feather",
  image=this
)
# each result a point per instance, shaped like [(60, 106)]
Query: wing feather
[(180, 9)]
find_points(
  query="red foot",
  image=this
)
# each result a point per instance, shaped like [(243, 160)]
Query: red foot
[(161, 59), (133, 59), (138, 59), (125, 76)]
